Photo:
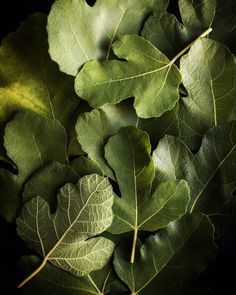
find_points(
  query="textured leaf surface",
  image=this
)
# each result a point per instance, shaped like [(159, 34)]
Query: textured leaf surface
[(54, 280), (78, 32), (28, 77), (210, 173), (147, 74), (31, 142), (209, 72), (170, 36), (83, 211), (128, 153), (95, 127), (47, 181), (170, 258)]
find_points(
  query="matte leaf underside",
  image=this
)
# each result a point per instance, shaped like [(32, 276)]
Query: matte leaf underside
[(83, 211)]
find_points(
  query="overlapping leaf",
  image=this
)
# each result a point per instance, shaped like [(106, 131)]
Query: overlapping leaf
[(208, 72), (146, 74), (209, 173), (52, 279), (83, 211), (79, 33), (128, 153), (31, 142), (28, 77), (95, 127), (170, 36), (168, 255)]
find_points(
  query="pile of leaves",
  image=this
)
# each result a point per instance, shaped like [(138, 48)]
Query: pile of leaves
[(118, 144)]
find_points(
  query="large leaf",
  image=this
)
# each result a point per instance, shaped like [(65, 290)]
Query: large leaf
[(170, 36), (28, 77), (78, 32), (208, 73), (146, 74), (172, 258), (95, 127), (83, 211), (210, 173), (31, 142), (55, 281), (128, 153)]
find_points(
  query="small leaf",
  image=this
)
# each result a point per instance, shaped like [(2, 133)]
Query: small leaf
[(208, 71), (31, 142), (170, 258), (83, 211), (78, 32), (53, 280), (209, 173), (147, 74), (128, 153)]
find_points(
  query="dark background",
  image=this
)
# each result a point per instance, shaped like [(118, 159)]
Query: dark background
[(219, 278)]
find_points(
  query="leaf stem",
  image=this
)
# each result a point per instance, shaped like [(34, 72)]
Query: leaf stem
[(134, 245), (33, 273), (204, 34)]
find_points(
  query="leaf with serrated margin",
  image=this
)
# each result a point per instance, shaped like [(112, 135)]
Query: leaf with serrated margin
[(172, 258), (79, 33), (54, 280), (128, 153), (209, 73), (84, 210), (31, 141), (146, 74), (209, 173)]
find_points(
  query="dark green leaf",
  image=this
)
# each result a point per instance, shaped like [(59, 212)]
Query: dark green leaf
[(31, 142), (170, 259)]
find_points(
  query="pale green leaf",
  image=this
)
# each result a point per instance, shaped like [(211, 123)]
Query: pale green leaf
[(28, 77), (208, 73), (31, 142), (83, 210), (209, 173), (54, 280), (146, 74), (128, 153), (172, 258), (79, 33)]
